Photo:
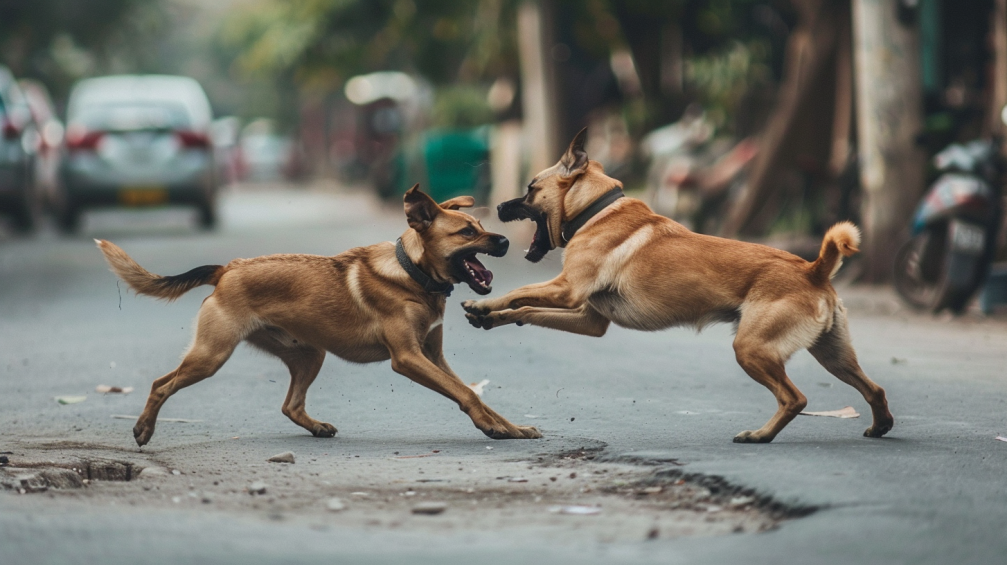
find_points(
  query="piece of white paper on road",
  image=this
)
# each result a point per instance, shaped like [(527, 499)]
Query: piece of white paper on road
[(847, 412), (176, 420), (478, 387)]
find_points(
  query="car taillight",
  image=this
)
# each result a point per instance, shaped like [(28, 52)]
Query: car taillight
[(10, 131), (81, 140), (193, 139)]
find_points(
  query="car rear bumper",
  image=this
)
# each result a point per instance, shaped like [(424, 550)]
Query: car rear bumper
[(189, 183), (13, 180)]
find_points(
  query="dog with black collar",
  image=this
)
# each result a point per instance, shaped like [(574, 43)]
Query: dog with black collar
[(624, 264), (368, 304)]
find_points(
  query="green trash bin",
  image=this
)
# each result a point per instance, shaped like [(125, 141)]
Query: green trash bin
[(457, 163)]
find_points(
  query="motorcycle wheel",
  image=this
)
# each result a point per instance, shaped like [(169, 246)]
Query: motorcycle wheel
[(921, 269)]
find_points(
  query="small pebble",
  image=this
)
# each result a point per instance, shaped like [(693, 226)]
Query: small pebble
[(257, 487), (285, 457), (430, 508), (335, 505)]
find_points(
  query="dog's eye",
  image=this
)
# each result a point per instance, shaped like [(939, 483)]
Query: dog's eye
[(467, 232)]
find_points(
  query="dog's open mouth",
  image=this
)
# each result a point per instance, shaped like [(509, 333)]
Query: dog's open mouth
[(541, 243), (475, 274)]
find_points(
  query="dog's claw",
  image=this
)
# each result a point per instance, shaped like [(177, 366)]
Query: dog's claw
[(324, 430), (522, 432), (877, 431), (142, 435), (471, 306)]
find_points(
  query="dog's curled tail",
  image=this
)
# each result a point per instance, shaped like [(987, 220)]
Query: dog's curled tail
[(144, 282), (842, 240)]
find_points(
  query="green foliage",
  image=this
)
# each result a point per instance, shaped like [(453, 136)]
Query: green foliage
[(720, 79), (60, 41), (321, 43)]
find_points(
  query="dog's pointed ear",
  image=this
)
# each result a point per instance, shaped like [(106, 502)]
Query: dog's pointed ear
[(420, 208), (575, 158), (458, 202)]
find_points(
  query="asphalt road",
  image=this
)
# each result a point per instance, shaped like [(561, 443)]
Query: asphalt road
[(932, 491)]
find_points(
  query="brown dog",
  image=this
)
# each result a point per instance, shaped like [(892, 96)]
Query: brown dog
[(369, 304), (625, 264)]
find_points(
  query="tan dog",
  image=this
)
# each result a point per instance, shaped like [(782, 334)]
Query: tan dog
[(369, 304), (625, 264)]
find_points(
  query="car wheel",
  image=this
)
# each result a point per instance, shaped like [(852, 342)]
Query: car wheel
[(68, 219), (27, 213), (208, 216)]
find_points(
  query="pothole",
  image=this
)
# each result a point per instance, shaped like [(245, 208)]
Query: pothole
[(32, 476)]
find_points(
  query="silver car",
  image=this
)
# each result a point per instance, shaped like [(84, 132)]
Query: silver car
[(19, 198), (138, 141)]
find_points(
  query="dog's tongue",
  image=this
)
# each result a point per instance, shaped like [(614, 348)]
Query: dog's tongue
[(482, 274)]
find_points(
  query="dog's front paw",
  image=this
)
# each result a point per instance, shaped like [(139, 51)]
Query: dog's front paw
[(479, 321), (494, 319), (476, 307), (324, 430)]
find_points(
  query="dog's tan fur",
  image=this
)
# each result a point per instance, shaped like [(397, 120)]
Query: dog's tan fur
[(643, 271), (360, 305)]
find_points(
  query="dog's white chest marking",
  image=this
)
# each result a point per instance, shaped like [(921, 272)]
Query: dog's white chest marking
[(353, 283), (611, 269), (435, 324)]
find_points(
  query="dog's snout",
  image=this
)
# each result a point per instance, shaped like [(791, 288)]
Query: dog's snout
[(510, 210), (500, 244)]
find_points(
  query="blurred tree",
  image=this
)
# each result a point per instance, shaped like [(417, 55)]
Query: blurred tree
[(321, 43), (59, 41)]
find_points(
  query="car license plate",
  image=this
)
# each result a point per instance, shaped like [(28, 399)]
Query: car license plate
[(143, 196), (967, 238)]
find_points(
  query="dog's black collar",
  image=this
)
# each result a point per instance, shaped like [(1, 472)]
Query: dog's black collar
[(591, 211), (424, 280)]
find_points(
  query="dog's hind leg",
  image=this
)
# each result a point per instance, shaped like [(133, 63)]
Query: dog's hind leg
[(762, 345), (217, 334), (835, 352), (304, 362)]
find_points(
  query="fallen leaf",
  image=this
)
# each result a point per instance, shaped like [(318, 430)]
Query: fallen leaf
[(69, 399), (478, 387), (105, 389), (847, 412)]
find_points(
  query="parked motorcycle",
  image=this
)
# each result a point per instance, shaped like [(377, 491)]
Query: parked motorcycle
[(954, 229)]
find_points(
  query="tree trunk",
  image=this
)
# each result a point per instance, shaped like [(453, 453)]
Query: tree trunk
[(537, 86), (889, 117), (802, 120)]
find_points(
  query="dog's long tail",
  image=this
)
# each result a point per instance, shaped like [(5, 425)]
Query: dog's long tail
[(144, 282), (842, 240)]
